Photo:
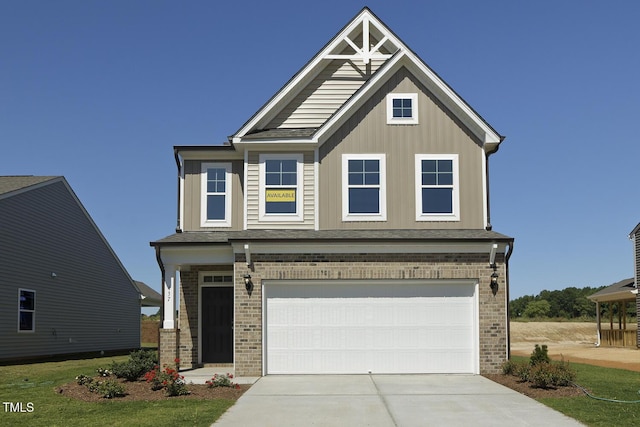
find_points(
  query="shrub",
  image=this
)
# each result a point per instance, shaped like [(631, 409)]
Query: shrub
[(107, 389), (103, 372), (221, 381), (169, 379), (539, 355), (140, 362), (84, 379)]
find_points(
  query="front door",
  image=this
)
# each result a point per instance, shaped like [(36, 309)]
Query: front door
[(217, 324)]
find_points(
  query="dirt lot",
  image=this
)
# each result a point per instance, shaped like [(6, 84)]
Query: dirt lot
[(575, 342)]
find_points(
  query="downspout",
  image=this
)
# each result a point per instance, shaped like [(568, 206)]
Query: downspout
[(486, 178), (179, 219), (161, 265), (506, 267)]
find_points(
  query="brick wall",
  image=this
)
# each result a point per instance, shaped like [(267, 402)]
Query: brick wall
[(248, 321)]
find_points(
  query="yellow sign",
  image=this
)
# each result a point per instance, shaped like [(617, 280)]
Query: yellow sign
[(278, 195)]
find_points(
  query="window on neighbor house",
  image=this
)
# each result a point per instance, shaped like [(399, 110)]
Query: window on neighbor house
[(281, 187), (437, 188), (26, 310), (216, 202), (402, 108), (364, 187)]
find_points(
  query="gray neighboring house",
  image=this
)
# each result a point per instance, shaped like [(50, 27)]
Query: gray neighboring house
[(62, 288)]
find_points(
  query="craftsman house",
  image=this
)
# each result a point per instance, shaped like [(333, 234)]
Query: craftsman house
[(62, 288), (344, 228)]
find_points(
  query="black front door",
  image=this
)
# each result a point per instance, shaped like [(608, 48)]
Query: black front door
[(217, 324)]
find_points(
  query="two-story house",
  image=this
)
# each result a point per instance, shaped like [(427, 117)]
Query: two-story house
[(344, 228)]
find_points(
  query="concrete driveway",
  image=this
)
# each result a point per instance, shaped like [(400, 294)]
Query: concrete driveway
[(386, 400)]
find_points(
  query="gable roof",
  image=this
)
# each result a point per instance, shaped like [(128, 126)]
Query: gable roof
[(634, 231), (376, 62), (10, 184), (619, 291)]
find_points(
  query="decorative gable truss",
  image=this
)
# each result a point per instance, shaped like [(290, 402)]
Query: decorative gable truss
[(339, 79)]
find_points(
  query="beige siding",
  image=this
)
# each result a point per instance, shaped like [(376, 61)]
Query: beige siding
[(193, 195), (253, 189), (325, 94), (367, 131)]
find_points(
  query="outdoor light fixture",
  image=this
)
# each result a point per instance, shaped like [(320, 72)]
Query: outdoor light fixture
[(248, 284), (494, 281)]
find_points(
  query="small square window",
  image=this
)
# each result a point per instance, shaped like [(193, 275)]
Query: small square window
[(402, 108)]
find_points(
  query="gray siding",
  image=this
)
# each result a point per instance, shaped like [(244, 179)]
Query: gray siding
[(367, 131), (253, 189), (90, 305), (325, 94), (193, 195)]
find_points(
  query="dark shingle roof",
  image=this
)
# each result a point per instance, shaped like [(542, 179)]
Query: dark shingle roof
[(13, 183), (208, 237), (282, 133)]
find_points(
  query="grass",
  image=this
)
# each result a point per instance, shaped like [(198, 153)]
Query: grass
[(606, 383), (35, 383)]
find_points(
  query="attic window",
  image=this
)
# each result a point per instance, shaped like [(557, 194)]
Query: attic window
[(402, 108)]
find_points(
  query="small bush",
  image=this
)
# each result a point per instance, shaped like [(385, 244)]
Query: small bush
[(221, 381), (103, 372), (169, 379), (539, 355), (523, 371), (139, 363), (107, 389), (84, 379)]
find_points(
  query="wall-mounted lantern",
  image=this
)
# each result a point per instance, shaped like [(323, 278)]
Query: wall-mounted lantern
[(248, 284)]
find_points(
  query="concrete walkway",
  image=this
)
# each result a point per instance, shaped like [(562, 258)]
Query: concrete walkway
[(202, 375), (387, 400)]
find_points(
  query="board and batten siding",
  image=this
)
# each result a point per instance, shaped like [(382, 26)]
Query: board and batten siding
[(253, 195), (327, 92), (192, 197), (367, 132), (90, 304)]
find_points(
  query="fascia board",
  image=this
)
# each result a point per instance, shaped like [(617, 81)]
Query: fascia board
[(616, 296), (367, 247), (210, 154), (201, 254)]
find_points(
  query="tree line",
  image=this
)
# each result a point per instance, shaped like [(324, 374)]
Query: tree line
[(568, 303)]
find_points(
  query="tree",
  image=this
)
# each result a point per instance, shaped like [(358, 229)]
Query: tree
[(536, 309)]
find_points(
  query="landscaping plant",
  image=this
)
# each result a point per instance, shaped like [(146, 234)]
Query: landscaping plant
[(221, 381), (139, 363), (168, 379)]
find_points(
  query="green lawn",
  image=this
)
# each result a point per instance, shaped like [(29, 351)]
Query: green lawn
[(604, 383), (35, 383)]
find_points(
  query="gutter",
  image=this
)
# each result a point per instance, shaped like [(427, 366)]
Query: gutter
[(161, 265), (486, 178)]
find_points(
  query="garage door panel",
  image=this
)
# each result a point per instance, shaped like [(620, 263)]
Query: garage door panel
[(359, 328)]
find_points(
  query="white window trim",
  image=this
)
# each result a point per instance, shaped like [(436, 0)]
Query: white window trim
[(380, 216), (413, 120), (455, 215), (293, 217), (226, 222), (33, 325)]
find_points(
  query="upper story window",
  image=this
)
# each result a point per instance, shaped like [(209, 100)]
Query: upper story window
[(216, 195), (402, 108), (364, 187), (281, 187), (26, 310), (437, 187)]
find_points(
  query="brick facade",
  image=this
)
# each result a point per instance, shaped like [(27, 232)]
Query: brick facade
[(248, 307)]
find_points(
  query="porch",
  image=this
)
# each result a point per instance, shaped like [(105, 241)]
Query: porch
[(614, 330)]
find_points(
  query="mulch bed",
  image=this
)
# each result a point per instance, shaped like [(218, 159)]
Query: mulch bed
[(514, 383), (141, 390)]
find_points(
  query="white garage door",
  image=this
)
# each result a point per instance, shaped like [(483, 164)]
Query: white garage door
[(330, 327)]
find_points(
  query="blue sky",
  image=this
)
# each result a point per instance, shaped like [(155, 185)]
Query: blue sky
[(100, 92)]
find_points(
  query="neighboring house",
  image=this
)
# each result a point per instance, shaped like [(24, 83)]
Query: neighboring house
[(635, 238), (344, 228), (148, 296), (617, 296), (62, 288)]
